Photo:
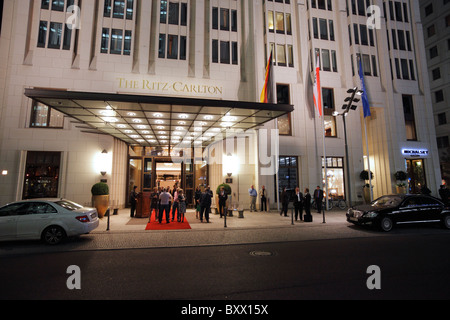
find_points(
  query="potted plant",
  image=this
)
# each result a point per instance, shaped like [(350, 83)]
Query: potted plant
[(227, 190), (364, 175), (400, 186), (100, 198)]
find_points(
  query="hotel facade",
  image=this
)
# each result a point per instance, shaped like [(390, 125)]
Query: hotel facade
[(153, 93)]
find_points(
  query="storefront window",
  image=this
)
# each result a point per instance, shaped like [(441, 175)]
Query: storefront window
[(335, 177), (41, 175)]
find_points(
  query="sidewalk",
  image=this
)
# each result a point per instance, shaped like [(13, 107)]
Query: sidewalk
[(123, 222)]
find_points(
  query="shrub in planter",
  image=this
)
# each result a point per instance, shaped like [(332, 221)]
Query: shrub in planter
[(100, 198)]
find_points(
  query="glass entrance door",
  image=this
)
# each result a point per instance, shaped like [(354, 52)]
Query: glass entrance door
[(416, 175)]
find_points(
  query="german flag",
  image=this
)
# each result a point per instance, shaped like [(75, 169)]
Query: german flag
[(267, 91)]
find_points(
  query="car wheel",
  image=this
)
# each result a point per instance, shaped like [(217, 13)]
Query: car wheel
[(446, 221), (53, 235), (386, 224)]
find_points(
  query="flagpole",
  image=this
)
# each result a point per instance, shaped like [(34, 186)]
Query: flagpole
[(325, 169), (368, 161)]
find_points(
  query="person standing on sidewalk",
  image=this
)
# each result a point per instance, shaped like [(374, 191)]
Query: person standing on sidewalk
[(263, 198), (284, 202), (318, 198), (307, 203), (253, 194), (298, 204), (181, 205), (154, 199), (164, 206), (133, 201), (205, 204), (222, 201)]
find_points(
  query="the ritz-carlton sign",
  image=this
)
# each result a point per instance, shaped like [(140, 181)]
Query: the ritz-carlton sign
[(169, 87)]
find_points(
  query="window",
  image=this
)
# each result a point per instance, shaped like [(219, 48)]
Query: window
[(119, 9), (328, 101), (439, 96), (408, 111), (323, 29), (443, 142), (225, 52), (41, 175), (335, 177), (281, 55), (442, 119), (163, 11), (288, 173), (433, 52), (436, 73), (428, 9), (280, 22), (116, 41), (105, 41), (271, 21), (224, 19), (55, 34), (284, 122), (42, 35), (43, 116), (174, 12), (172, 46)]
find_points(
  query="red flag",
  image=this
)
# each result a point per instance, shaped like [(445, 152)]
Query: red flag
[(267, 91), (317, 89)]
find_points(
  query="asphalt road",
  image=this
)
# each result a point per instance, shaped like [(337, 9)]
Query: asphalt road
[(411, 266)]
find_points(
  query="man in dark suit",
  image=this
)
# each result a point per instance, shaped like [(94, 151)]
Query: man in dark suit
[(205, 204), (318, 198), (222, 201), (298, 204)]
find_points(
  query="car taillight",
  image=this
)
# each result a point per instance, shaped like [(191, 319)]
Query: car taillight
[(82, 218)]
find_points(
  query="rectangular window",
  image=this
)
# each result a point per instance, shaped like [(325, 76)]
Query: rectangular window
[(287, 175), (67, 37), (288, 24), (331, 25), (315, 28), (323, 29), (215, 18), (234, 20), (105, 40), (174, 12), (127, 43), (328, 101), (374, 66), (335, 173), (225, 52), (119, 9), (281, 54), (116, 41), (184, 14), (172, 46), (366, 64), (280, 22), (234, 52), (55, 35), (326, 66), (224, 19), (271, 21), (290, 51), (215, 51), (107, 9), (408, 111), (162, 46), (356, 33), (45, 4), (284, 122), (182, 47), (42, 172), (42, 36), (130, 8), (43, 116), (405, 69), (58, 5), (163, 11), (363, 31), (334, 60)]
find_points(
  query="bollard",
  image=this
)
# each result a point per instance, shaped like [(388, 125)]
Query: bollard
[(107, 214)]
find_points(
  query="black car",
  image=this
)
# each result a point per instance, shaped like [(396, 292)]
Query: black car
[(387, 211)]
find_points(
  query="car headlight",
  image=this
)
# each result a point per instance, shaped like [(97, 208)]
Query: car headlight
[(371, 214)]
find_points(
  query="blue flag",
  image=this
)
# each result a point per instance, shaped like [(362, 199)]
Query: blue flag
[(365, 100)]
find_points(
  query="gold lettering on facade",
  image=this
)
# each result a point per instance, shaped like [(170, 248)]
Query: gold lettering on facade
[(168, 86)]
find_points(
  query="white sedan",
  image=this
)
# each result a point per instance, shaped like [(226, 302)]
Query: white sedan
[(51, 220)]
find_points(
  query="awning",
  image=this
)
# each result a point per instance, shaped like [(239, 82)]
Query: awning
[(159, 121)]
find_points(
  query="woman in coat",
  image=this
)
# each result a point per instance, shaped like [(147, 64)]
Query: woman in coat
[(284, 202)]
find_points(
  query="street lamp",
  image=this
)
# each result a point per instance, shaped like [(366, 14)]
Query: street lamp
[(347, 107)]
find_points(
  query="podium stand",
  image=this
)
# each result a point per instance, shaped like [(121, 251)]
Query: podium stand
[(143, 205)]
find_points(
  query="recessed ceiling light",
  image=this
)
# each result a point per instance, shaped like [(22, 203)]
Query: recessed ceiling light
[(131, 114), (159, 122), (158, 115), (208, 117), (183, 116), (182, 123), (137, 120)]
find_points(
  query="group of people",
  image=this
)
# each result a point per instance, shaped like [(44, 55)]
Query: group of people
[(302, 201), (203, 202), (162, 200)]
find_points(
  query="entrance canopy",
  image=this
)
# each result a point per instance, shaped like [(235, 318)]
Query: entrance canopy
[(159, 121)]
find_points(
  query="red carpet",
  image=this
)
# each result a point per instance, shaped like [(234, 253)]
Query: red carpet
[(173, 225)]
